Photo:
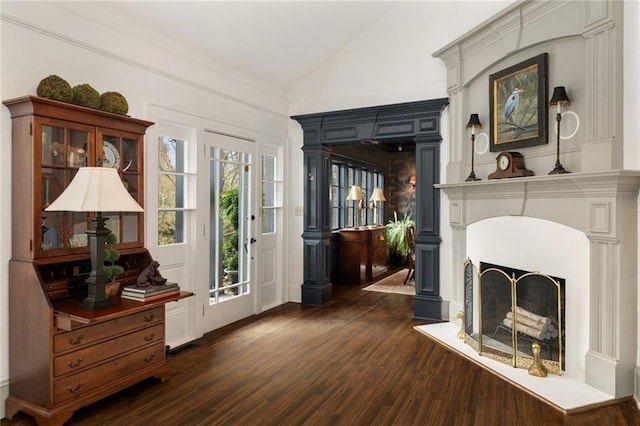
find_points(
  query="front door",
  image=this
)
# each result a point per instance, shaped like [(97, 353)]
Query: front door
[(231, 203)]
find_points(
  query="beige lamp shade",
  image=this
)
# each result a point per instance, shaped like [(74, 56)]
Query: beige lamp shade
[(95, 189), (377, 195), (355, 193)]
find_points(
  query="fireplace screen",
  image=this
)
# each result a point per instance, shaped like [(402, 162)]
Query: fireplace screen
[(509, 311)]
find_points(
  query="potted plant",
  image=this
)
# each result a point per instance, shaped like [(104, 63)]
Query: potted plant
[(110, 269), (229, 211), (397, 234)]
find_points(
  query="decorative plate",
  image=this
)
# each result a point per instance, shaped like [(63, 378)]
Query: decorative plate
[(110, 155)]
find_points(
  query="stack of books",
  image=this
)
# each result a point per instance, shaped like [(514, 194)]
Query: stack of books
[(150, 292)]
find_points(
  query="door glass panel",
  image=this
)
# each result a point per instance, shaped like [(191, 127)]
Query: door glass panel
[(229, 206), (129, 155), (268, 194), (77, 152), (121, 152), (172, 190), (129, 227), (63, 151), (52, 145)]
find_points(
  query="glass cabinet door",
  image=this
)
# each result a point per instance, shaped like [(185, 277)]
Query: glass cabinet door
[(121, 151), (64, 148)]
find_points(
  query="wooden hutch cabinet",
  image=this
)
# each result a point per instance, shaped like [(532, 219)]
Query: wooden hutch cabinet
[(62, 356)]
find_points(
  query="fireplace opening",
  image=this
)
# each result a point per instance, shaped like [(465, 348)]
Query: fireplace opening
[(517, 310)]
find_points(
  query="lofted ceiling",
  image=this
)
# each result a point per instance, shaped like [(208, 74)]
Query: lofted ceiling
[(277, 42)]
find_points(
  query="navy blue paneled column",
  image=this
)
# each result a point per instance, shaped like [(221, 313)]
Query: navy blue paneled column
[(388, 124), (427, 301), (316, 288)]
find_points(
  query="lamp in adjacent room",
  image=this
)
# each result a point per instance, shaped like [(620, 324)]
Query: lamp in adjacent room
[(376, 197), (355, 195), (474, 122), (98, 190), (559, 100)]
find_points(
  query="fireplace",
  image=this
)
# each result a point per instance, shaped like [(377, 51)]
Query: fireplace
[(595, 207), (581, 227), (517, 311)]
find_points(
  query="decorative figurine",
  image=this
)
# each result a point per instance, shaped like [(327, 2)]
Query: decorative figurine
[(151, 275), (460, 315), (537, 368)]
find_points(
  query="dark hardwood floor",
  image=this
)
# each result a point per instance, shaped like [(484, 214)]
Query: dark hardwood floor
[(356, 361)]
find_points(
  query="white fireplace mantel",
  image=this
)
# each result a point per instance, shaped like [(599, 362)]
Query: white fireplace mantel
[(603, 205), (584, 201)]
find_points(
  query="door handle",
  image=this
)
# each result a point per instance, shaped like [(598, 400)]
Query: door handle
[(251, 241)]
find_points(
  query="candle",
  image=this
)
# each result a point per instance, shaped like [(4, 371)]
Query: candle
[(558, 107)]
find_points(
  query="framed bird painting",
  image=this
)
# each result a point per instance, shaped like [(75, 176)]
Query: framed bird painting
[(518, 105)]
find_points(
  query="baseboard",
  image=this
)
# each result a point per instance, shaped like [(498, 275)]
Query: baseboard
[(445, 313), (636, 393), (4, 394)]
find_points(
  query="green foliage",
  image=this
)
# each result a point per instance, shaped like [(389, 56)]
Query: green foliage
[(113, 102), (230, 211), (54, 87), (111, 256), (230, 206), (397, 233), (230, 252), (85, 95)]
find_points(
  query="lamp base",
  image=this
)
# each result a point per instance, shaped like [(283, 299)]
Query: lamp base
[(96, 298), (559, 170), (93, 304), (472, 177)]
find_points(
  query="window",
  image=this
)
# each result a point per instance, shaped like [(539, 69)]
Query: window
[(343, 176), (269, 194), (172, 190)]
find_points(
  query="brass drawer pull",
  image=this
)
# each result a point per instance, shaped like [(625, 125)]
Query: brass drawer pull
[(149, 357), (150, 337), (149, 318), (75, 389), (76, 364), (77, 340)]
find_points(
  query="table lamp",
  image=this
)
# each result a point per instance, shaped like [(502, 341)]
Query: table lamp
[(559, 100), (376, 197), (473, 124), (96, 189), (355, 195)]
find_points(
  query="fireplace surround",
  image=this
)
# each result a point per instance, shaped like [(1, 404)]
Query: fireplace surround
[(602, 206), (595, 207)]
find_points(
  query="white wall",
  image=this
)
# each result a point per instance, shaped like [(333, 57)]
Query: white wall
[(392, 62), (53, 41)]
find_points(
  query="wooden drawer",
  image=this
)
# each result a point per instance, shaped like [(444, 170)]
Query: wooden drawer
[(94, 333), (92, 379), (55, 289), (91, 355)]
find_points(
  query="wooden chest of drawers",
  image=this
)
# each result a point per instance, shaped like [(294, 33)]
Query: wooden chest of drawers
[(77, 357)]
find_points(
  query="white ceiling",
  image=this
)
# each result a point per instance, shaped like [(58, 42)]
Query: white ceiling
[(278, 42)]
